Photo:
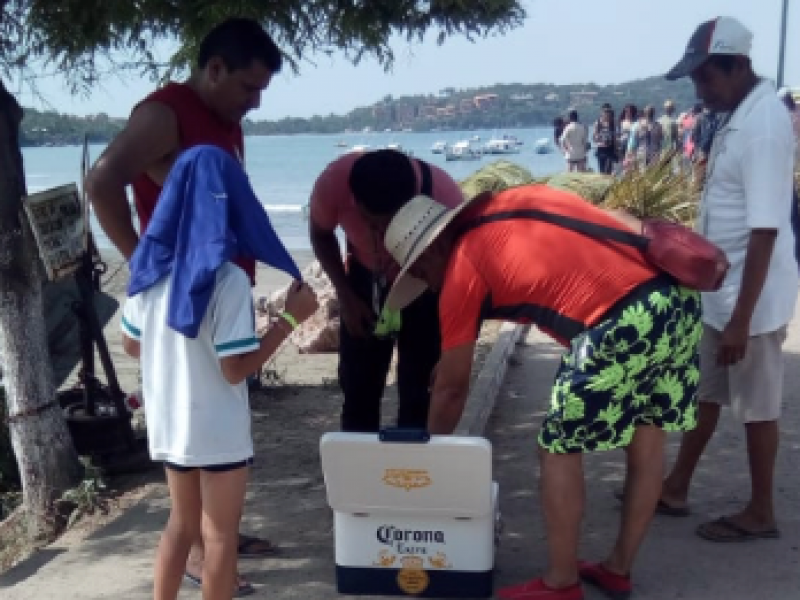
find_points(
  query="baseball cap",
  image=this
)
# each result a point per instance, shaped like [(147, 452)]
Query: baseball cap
[(723, 35)]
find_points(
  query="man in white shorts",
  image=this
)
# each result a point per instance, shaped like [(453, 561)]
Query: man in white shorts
[(574, 142), (745, 210)]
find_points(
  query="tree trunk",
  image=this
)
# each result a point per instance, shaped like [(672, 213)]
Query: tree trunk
[(48, 463)]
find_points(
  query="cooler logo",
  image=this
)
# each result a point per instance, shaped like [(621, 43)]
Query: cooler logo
[(388, 560), (439, 561), (412, 562), (389, 535), (411, 578), (408, 479), (385, 559)]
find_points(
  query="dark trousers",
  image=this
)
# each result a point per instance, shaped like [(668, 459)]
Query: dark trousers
[(605, 161), (364, 362)]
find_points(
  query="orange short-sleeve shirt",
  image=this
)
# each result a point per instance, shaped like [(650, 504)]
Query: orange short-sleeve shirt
[(529, 271)]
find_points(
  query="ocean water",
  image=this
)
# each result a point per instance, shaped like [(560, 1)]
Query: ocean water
[(282, 169)]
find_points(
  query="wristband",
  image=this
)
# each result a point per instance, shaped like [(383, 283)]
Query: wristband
[(289, 319), (283, 325)]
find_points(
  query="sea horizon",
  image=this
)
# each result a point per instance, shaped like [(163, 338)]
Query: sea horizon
[(283, 168)]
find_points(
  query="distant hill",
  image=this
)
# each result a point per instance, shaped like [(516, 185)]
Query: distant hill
[(50, 128), (497, 106)]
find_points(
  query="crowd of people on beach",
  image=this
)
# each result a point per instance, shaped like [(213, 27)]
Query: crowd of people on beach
[(423, 267), (640, 138)]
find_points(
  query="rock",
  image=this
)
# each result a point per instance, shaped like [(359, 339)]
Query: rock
[(320, 333)]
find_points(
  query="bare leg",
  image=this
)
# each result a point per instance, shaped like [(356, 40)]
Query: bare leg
[(642, 489), (762, 449), (675, 490), (183, 528), (194, 566), (223, 500), (562, 491)]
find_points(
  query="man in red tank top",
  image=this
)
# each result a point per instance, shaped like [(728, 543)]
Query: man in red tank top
[(235, 64)]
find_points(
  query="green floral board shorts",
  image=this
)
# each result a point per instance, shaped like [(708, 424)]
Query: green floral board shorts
[(639, 366)]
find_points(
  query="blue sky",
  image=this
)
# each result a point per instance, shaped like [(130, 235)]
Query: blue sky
[(562, 41)]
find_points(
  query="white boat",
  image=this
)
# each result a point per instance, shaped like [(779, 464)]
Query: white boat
[(360, 148), (439, 147), (501, 146), (463, 151), (543, 146), (398, 148)]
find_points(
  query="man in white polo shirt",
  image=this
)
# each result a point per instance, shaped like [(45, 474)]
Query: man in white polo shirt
[(745, 210)]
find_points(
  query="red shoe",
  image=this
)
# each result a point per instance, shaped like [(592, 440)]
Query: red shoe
[(616, 587), (537, 589)]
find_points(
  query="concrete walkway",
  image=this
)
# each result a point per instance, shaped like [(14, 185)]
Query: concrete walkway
[(116, 562)]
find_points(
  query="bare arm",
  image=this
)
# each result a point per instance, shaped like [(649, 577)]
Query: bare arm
[(733, 343), (327, 250), (236, 368), (301, 303), (131, 347), (150, 136), (450, 389), (756, 266), (357, 316)]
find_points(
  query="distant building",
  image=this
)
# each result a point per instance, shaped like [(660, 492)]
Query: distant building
[(427, 111), (446, 112), (467, 105), (487, 101), (382, 112), (582, 98), (405, 113)]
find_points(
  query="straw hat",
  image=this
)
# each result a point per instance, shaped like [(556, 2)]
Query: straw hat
[(412, 230)]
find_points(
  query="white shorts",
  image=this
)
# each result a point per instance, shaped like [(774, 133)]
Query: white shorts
[(753, 387)]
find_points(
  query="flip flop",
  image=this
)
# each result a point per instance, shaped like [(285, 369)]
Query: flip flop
[(723, 531), (244, 589), (253, 547), (662, 508)]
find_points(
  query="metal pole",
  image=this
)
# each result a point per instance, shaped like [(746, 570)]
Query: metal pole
[(782, 50)]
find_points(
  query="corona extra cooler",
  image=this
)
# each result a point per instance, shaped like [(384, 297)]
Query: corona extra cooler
[(417, 519)]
